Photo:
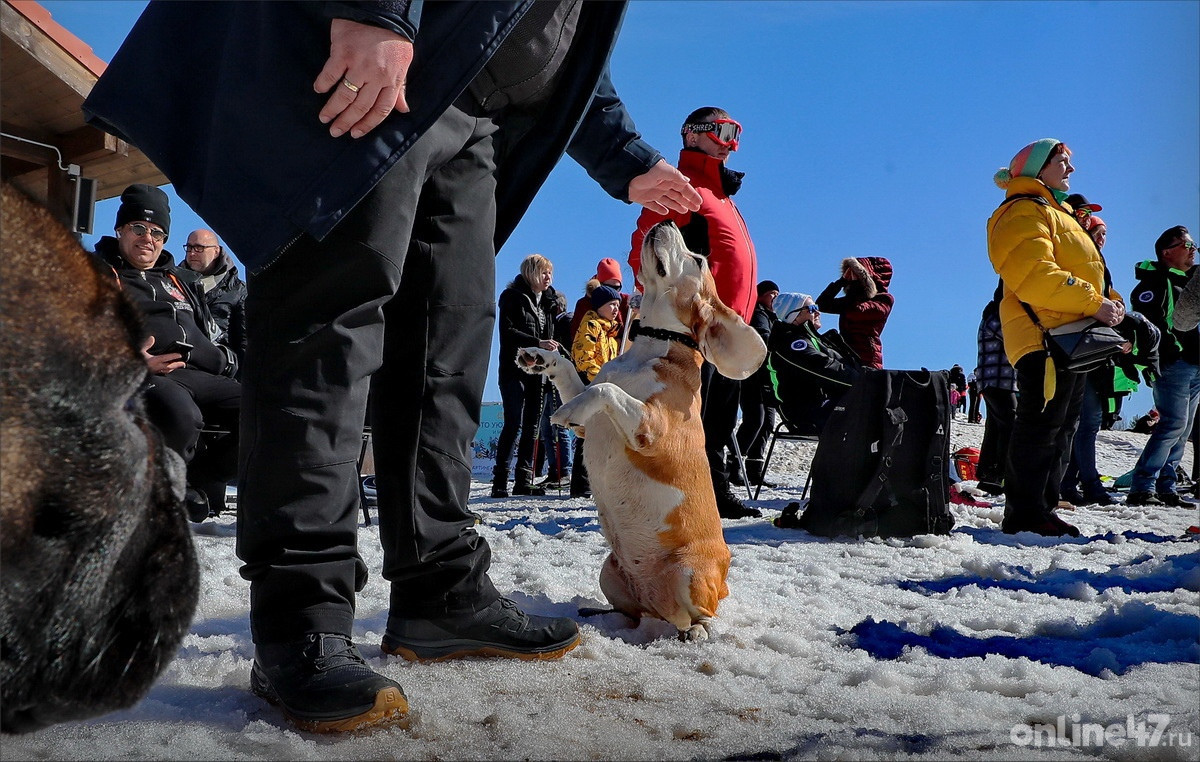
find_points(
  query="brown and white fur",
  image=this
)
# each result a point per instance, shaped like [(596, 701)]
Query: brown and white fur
[(645, 442)]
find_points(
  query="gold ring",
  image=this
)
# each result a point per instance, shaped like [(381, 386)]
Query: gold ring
[(352, 88)]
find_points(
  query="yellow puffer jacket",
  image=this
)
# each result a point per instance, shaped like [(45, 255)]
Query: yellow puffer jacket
[(1045, 260), (595, 344)]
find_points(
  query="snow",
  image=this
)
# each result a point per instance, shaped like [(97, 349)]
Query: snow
[(976, 645)]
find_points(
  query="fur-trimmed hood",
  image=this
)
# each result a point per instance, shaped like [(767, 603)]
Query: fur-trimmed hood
[(874, 273)]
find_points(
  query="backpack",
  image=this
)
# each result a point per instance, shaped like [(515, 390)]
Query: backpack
[(881, 466), (965, 462)]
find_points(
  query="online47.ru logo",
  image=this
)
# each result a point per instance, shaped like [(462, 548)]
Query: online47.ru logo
[(1149, 732)]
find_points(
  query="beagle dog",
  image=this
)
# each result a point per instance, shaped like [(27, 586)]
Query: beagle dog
[(645, 442)]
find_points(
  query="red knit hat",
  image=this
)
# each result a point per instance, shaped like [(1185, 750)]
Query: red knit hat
[(608, 269)]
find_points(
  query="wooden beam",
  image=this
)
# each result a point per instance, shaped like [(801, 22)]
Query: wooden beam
[(37, 43), (88, 143)]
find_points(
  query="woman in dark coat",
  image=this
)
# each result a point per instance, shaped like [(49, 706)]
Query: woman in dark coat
[(526, 316)]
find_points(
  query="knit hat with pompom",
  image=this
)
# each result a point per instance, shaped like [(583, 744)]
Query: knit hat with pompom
[(1027, 163)]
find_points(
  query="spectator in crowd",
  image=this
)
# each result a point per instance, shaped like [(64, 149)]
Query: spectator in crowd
[(1050, 267), (554, 454), (1081, 483), (191, 384), (1144, 424), (810, 370), (865, 306), (973, 415), (595, 344), (526, 320), (608, 273), (718, 232), (1177, 390), (757, 399), (322, 208), (998, 386), (223, 291)]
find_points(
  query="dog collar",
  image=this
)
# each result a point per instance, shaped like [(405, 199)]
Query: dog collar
[(637, 329)]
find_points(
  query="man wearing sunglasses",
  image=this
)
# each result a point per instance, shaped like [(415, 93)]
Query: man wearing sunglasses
[(191, 384), (718, 232), (223, 290), (1177, 390)]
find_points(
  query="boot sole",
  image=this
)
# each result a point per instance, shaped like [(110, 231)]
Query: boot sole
[(389, 710), (429, 655)]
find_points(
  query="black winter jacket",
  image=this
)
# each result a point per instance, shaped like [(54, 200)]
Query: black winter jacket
[(524, 321), (171, 309), (1155, 296), (809, 372), (237, 61), (995, 371), (224, 293)]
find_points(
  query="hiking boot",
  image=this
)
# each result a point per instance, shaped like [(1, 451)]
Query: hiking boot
[(499, 482), (1143, 498), (561, 483), (323, 685), (1047, 526), (994, 489), (729, 507), (196, 503), (1072, 496), (500, 629), (1175, 500), (735, 476), (1098, 498), (525, 488)]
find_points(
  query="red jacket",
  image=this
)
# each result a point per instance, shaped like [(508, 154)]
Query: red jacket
[(864, 309), (716, 230)]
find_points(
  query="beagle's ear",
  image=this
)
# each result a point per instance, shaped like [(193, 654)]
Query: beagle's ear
[(726, 341)]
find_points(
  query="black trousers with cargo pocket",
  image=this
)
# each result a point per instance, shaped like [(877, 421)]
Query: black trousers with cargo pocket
[(397, 300)]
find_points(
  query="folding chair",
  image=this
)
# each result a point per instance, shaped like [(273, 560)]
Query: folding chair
[(783, 432)]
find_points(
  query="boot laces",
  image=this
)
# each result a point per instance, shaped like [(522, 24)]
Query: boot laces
[(329, 651)]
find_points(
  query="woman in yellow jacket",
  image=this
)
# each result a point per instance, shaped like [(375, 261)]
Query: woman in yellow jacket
[(596, 341), (1047, 261)]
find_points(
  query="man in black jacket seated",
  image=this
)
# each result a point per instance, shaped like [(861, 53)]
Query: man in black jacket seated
[(810, 370), (191, 385)]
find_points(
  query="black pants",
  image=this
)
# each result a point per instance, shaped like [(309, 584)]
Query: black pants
[(522, 397), (399, 298), (1040, 437), (757, 419), (972, 405), (718, 413), (182, 403), (997, 431)]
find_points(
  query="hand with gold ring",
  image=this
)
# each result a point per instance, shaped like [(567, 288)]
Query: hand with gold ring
[(375, 57)]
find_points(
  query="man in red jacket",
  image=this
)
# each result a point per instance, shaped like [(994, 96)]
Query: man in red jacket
[(717, 231)]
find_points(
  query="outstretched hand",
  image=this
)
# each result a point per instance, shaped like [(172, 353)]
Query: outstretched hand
[(663, 189), (367, 71)]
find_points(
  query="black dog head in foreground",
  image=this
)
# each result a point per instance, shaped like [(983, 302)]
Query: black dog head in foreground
[(97, 568)]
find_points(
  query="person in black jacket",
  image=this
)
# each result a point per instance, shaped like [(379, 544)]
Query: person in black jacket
[(366, 178), (526, 319), (191, 385), (1177, 390), (810, 370), (756, 398), (223, 291)]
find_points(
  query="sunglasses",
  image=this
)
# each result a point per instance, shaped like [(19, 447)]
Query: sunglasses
[(724, 132), (811, 308), (140, 230), (199, 246), (1189, 245)]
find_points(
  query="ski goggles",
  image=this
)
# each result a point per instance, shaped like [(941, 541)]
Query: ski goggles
[(724, 132)]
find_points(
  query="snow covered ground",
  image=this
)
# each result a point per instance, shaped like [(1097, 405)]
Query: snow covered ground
[(977, 645)]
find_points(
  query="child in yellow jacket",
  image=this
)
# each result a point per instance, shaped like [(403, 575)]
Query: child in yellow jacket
[(596, 341)]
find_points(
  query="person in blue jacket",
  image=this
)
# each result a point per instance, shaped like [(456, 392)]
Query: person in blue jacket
[(366, 161)]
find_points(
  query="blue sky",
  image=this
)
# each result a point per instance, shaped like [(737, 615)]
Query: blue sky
[(873, 128)]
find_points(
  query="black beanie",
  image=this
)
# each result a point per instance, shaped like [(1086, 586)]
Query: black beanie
[(145, 203), (767, 285), (602, 295)]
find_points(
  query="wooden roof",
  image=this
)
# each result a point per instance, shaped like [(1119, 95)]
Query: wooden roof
[(47, 72)]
